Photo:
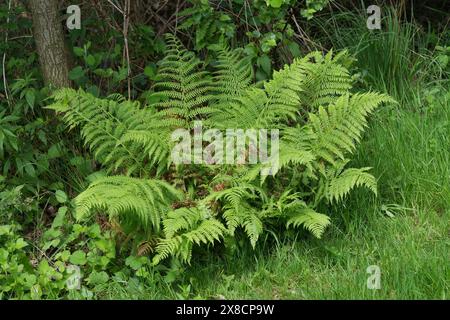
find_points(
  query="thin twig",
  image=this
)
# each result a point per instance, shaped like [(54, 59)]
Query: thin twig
[(176, 16), (302, 34), (101, 12), (125, 27), (5, 83), (126, 23), (115, 6), (20, 37)]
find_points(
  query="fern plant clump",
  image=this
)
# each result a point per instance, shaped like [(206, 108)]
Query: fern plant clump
[(169, 208)]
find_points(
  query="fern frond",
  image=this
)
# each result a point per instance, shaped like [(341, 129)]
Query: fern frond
[(171, 246), (207, 232), (253, 227), (295, 149), (103, 123), (266, 108), (180, 219), (185, 227), (311, 220), (341, 185), (326, 79), (234, 195), (155, 144), (233, 73), (185, 88), (146, 201), (333, 132)]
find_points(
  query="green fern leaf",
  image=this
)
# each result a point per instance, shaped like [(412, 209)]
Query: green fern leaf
[(312, 221)]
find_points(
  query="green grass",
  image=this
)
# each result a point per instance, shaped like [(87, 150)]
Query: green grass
[(409, 251)]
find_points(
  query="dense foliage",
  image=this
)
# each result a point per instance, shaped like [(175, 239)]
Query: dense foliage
[(310, 103), (92, 204)]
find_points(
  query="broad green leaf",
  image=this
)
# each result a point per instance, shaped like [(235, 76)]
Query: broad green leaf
[(275, 3), (265, 63), (79, 52), (96, 278), (30, 96), (76, 73), (150, 71), (78, 258), (61, 196), (60, 217)]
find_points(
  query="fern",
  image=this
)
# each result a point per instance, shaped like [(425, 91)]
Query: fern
[(103, 123), (233, 73), (129, 199), (264, 108), (334, 131), (185, 227), (184, 89), (347, 180), (320, 124), (312, 221), (326, 79)]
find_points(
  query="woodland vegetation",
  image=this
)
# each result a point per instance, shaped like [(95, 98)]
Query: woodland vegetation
[(92, 205)]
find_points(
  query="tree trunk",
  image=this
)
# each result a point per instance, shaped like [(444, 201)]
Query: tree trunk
[(49, 38)]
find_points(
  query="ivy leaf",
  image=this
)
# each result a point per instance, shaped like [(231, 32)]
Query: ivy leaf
[(54, 243), (5, 229), (90, 60), (135, 262), (294, 48), (79, 52), (94, 90), (20, 243), (36, 292), (28, 280), (54, 152)]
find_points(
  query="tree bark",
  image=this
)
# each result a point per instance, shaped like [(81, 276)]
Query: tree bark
[(49, 37)]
